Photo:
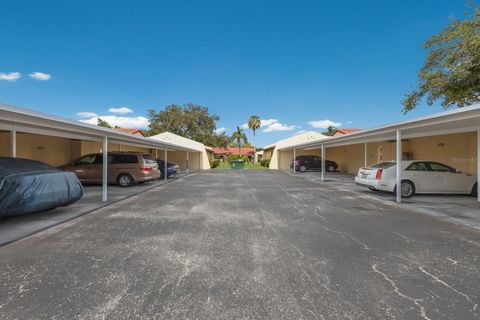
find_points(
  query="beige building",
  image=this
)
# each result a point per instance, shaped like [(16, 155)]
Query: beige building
[(450, 137), (58, 141), (281, 153), (185, 159)]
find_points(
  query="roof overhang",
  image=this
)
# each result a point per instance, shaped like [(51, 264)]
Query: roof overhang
[(28, 121), (449, 122)]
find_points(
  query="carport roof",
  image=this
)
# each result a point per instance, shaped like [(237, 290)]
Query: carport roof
[(24, 120), (448, 122)]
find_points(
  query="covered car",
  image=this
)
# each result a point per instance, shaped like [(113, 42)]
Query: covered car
[(30, 186)]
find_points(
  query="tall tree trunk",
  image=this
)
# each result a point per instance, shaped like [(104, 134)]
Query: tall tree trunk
[(254, 148)]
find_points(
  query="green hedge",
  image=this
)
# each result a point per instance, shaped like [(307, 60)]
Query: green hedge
[(265, 163), (237, 157), (214, 163)]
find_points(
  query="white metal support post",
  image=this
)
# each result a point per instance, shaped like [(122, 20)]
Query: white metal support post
[(478, 162), (323, 163), (105, 169), (188, 156), (365, 160), (294, 160), (399, 166), (13, 142), (165, 167)]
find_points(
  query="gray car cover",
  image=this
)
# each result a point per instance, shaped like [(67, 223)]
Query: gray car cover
[(31, 186)]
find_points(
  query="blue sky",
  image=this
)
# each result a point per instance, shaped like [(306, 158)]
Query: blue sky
[(295, 63)]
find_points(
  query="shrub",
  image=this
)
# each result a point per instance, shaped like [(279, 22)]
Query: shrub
[(265, 163), (237, 157), (214, 163)]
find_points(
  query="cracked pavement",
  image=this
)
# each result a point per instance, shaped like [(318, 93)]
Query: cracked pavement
[(245, 245)]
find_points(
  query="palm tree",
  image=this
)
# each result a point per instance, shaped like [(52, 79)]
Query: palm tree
[(254, 123), (239, 136), (330, 131)]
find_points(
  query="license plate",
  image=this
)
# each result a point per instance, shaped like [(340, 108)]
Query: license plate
[(364, 175)]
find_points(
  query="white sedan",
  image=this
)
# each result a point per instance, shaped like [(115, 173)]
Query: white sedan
[(418, 176)]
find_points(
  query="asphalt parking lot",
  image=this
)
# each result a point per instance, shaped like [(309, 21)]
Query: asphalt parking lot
[(245, 245), (462, 209)]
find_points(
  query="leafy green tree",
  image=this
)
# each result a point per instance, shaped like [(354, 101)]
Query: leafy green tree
[(254, 123), (451, 72), (190, 121), (103, 123), (219, 140), (239, 137)]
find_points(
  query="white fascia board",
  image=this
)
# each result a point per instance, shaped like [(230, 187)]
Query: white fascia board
[(58, 126), (466, 113)]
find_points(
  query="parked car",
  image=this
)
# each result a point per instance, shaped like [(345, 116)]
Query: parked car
[(306, 163), (171, 168), (28, 186), (418, 176), (124, 168)]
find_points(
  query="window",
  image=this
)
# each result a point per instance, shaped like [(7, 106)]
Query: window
[(438, 167), (149, 158), (89, 159), (383, 165), (124, 158), (417, 166)]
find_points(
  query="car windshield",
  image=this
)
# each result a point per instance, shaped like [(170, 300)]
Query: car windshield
[(383, 165)]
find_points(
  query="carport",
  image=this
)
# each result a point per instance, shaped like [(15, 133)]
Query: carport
[(426, 135), (19, 129)]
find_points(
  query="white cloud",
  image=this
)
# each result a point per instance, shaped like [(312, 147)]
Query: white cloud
[(123, 122), (277, 126), (12, 76), (220, 130), (324, 124), (121, 110), (300, 132), (263, 123), (349, 122), (40, 76), (267, 122), (86, 114)]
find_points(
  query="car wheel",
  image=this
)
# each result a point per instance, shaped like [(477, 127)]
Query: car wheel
[(125, 180), (407, 189), (474, 192), (331, 168), (303, 168)]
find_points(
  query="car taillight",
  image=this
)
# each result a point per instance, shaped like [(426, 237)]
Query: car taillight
[(146, 169), (379, 174)]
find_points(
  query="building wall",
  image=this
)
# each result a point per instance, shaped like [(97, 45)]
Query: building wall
[(285, 157), (4, 144), (180, 158), (456, 150), (267, 154), (51, 150)]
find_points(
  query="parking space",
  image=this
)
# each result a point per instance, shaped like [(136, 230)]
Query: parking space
[(245, 245), (462, 209), (18, 227)]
